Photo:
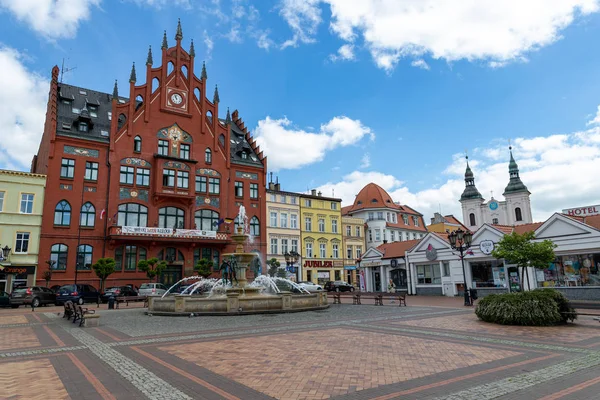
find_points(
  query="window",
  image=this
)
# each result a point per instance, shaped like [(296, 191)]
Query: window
[(393, 238), (273, 246), (244, 155), (171, 217), (446, 266), (183, 179), (336, 251), (131, 214), (358, 231), (349, 252), (348, 230), (370, 235), (394, 217), (214, 185), (62, 213), (322, 250), (284, 220), (429, 274), (371, 215), (307, 203), (163, 147), (1, 201), (239, 189), (472, 219), (137, 144), (358, 251), (67, 168), (334, 206), (254, 190), (380, 215), (308, 224), (91, 171), (207, 220), (84, 257), (83, 127), (273, 219), (294, 221), (130, 258), (377, 235), (284, 246), (321, 225), (201, 184), (334, 225), (416, 221), (405, 219), (254, 227), (22, 242), (309, 250), (168, 177), (26, 203), (142, 177), (88, 215), (294, 245), (58, 254), (495, 221), (283, 199), (75, 110), (293, 200), (518, 215), (184, 151), (273, 198), (208, 156), (127, 175)]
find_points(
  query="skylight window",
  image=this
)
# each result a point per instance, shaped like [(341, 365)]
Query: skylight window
[(66, 126), (104, 133), (110, 116), (121, 101), (83, 92), (93, 111), (75, 110)]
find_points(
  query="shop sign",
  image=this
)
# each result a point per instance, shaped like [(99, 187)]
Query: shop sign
[(318, 264), (486, 247), (18, 270), (430, 253), (583, 211), (350, 267), (393, 263), (371, 264)]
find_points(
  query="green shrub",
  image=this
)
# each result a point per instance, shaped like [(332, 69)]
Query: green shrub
[(535, 308)]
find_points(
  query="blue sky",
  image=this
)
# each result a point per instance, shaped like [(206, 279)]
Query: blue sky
[(344, 92)]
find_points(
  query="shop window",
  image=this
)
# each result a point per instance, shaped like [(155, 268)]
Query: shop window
[(472, 219), (88, 215), (518, 215), (254, 226), (67, 168), (58, 254), (171, 217), (488, 274), (571, 270), (338, 275), (137, 144), (207, 220), (91, 171), (132, 214), (429, 274), (84, 257), (62, 213)]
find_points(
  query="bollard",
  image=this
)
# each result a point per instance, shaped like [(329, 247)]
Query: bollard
[(111, 303)]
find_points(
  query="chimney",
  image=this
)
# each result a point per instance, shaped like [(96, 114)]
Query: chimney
[(278, 186), (319, 194), (313, 192), (384, 241), (271, 186)]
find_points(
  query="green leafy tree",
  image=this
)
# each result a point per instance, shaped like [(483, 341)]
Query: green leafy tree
[(524, 252), (273, 266), (103, 268), (204, 267), (152, 267)]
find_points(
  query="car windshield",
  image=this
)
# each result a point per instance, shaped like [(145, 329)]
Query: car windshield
[(67, 289), (20, 290)]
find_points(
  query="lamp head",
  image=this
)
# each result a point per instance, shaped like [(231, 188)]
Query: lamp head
[(452, 239)]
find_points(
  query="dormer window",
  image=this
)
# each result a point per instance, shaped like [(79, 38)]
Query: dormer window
[(75, 110), (244, 155), (93, 110), (83, 127)]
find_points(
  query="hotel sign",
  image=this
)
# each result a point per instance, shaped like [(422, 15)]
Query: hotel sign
[(583, 211)]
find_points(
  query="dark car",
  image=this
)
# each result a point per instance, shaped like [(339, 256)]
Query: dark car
[(77, 293), (55, 288), (117, 291), (338, 286), (4, 299), (33, 295)]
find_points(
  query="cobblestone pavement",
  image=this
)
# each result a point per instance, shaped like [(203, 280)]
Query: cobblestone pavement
[(432, 350)]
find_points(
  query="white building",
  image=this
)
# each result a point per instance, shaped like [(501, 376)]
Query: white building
[(514, 210)]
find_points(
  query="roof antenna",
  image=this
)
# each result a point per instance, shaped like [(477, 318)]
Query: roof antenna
[(63, 70), (271, 178)]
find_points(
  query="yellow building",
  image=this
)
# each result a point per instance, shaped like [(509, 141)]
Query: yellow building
[(353, 239), (21, 204), (445, 224), (321, 232)]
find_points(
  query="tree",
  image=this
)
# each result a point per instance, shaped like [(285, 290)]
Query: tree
[(273, 266), (47, 275), (204, 267), (524, 252), (103, 268), (152, 267)]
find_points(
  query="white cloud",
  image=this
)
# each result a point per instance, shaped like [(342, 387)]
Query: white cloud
[(344, 53), (54, 19), (162, 3), (365, 161), (289, 147), (596, 119), (498, 32), (208, 42), (420, 63), (22, 108)]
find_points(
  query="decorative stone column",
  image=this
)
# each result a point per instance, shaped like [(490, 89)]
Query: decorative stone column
[(233, 302), (180, 303), (286, 297)]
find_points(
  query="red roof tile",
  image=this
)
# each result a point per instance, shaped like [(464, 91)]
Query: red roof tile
[(396, 249), (401, 224)]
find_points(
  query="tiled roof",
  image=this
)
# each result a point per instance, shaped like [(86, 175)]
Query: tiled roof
[(396, 249), (451, 219), (592, 220), (520, 229), (402, 225), (373, 196)]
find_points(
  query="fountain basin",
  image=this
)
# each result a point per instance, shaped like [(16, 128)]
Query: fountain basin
[(234, 303)]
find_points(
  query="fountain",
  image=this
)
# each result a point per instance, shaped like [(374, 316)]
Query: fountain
[(237, 296)]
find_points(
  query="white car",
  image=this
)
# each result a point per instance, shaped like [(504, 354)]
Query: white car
[(152, 289), (310, 286)]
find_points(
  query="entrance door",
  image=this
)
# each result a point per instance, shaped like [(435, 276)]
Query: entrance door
[(399, 278), (170, 275), (377, 281)]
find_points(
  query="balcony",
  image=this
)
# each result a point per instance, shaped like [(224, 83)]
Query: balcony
[(166, 234)]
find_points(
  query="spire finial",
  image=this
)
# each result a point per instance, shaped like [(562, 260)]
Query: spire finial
[(132, 77), (164, 43), (228, 117), (203, 75), (115, 91), (179, 33), (192, 50), (149, 59), (216, 96)]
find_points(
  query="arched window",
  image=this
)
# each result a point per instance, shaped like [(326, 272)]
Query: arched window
[(137, 144), (472, 219), (518, 215), (171, 254), (170, 68), (209, 117), (155, 84), (88, 215), (208, 156), (139, 101), (184, 71), (207, 220), (171, 217), (133, 255), (62, 213), (197, 94), (84, 257), (58, 254), (254, 227), (132, 214), (121, 121)]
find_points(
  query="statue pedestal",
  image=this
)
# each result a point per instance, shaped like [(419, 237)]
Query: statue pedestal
[(240, 272)]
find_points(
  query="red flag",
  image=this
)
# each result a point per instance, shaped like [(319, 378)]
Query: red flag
[(102, 213)]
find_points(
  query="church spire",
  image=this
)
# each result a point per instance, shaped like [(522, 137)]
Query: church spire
[(470, 191), (132, 76), (179, 33), (164, 42), (115, 92), (216, 96), (192, 50), (515, 184), (228, 117), (149, 59), (203, 76)]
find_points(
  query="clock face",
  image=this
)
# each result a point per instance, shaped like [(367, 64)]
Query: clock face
[(176, 98), (493, 205)]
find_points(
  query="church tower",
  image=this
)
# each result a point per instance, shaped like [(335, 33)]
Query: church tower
[(518, 203), (471, 201)]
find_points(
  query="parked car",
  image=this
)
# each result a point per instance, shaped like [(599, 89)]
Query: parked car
[(33, 295), (77, 293), (152, 289), (55, 288), (117, 291), (338, 286), (4, 299), (310, 286), (132, 286)]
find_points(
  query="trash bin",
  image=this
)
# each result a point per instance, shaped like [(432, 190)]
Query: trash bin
[(111, 303), (473, 294)]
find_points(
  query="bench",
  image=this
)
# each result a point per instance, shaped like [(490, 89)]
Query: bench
[(127, 299), (90, 320), (356, 298), (378, 299), (81, 313), (69, 310), (337, 299)]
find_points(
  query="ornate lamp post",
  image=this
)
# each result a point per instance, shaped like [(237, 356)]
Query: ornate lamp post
[(461, 241), (4, 253), (290, 259)]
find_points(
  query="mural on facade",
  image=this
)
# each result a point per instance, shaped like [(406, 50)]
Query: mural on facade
[(80, 151)]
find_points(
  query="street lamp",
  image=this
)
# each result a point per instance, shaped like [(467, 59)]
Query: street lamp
[(4, 253), (290, 259), (461, 241)]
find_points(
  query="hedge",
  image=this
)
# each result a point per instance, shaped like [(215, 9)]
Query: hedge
[(540, 307)]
